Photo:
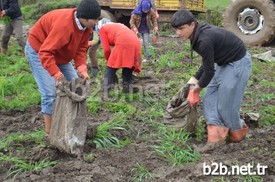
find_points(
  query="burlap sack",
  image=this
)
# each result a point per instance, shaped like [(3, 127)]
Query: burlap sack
[(69, 118), (180, 113)]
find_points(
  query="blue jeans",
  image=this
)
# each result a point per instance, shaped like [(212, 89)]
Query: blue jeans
[(224, 94), (45, 82), (145, 40)]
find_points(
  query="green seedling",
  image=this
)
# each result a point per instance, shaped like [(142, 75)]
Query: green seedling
[(174, 147), (141, 173)]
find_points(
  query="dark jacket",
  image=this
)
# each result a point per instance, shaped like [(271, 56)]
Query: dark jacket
[(11, 8), (215, 45)]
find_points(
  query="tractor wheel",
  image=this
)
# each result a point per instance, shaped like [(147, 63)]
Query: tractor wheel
[(252, 21)]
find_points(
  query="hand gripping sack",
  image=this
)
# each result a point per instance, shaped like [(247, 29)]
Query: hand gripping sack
[(180, 113), (69, 118)]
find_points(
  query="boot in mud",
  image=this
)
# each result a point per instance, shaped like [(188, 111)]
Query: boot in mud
[(238, 135), (128, 88), (216, 138)]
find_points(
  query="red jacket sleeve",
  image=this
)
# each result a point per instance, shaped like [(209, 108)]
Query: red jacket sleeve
[(105, 43)]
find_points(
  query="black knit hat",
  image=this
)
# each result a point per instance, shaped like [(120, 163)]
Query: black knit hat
[(88, 9), (182, 17)]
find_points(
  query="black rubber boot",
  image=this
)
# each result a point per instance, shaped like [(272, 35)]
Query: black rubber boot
[(128, 88)]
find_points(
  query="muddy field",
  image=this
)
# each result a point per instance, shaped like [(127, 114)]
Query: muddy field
[(115, 164)]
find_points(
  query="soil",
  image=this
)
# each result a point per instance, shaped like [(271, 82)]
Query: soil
[(115, 164)]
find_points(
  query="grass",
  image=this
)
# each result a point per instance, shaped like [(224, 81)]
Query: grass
[(104, 137), (174, 147), (15, 138), (141, 173), (19, 164), (212, 4), (16, 82)]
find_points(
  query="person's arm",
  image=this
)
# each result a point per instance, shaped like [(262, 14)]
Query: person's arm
[(133, 23), (154, 20), (13, 7), (81, 52), (207, 70), (199, 73), (95, 39), (105, 43), (48, 49)]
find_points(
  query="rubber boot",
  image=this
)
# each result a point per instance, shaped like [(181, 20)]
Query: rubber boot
[(128, 88), (216, 137), (48, 123), (238, 135)]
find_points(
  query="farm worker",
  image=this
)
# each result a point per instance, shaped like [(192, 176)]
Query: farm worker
[(50, 49), (225, 84), (122, 49), (94, 43), (143, 16), (12, 14)]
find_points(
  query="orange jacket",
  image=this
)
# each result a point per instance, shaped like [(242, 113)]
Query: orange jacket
[(58, 40), (126, 51)]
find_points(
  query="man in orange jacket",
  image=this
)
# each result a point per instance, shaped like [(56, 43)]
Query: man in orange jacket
[(50, 49)]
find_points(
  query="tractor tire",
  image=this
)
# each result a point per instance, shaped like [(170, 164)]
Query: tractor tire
[(107, 14), (252, 21)]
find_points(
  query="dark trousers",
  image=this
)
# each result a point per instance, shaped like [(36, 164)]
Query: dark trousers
[(110, 77)]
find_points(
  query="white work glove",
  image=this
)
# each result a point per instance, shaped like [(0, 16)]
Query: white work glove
[(193, 81)]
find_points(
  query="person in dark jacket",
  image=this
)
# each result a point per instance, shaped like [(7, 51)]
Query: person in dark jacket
[(11, 11), (225, 82)]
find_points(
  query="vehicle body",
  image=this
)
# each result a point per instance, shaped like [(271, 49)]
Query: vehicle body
[(120, 10), (251, 20)]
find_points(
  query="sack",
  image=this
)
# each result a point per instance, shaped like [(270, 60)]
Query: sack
[(69, 118), (180, 113)]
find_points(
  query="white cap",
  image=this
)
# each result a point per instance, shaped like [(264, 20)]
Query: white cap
[(102, 22)]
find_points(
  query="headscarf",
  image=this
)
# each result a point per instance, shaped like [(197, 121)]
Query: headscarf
[(145, 4), (102, 22)]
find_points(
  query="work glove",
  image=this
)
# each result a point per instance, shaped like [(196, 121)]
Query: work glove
[(58, 75), (82, 72), (193, 97), (61, 83), (192, 81)]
